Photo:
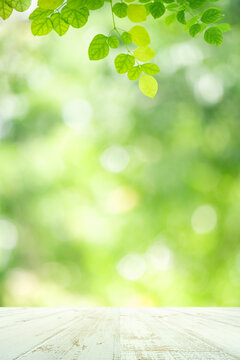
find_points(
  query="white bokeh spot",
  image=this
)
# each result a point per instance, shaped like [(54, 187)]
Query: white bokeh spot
[(77, 114), (114, 159), (209, 89), (131, 267), (8, 235), (204, 219)]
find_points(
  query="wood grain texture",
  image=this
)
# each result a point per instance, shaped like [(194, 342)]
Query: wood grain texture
[(119, 333)]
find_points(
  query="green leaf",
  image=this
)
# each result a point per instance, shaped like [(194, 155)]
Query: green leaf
[(98, 48), (211, 15), (39, 12), (120, 9), (144, 53), (126, 38), (148, 85), (20, 5), (75, 18), (5, 10), (123, 63), (195, 29), (137, 13), (214, 36), (140, 36), (181, 17), (157, 9), (49, 4), (59, 25), (76, 4), (42, 26), (196, 4), (113, 42), (94, 4), (170, 19), (134, 73), (224, 27), (150, 69)]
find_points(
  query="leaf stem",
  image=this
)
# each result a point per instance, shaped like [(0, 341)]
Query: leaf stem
[(113, 18), (115, 27)]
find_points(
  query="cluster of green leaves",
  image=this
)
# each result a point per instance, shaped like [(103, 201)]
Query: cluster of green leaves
[(196, 16)]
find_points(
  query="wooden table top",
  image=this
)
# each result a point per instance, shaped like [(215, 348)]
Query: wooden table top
[(119, 333)]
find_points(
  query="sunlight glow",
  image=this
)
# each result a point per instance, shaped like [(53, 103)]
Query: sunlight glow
[(204, 219), (114, 159), (159, 256), (178, 56), (131, 267), (121, 200), (209, 89), (8, 235), (77, 114)]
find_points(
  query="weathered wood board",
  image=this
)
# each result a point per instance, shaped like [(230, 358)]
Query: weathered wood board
[(119, 333)]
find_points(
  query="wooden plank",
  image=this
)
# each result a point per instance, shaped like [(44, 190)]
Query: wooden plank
[(146, 335), (222, 335), (119, 334), (23, 335), (75, 334)]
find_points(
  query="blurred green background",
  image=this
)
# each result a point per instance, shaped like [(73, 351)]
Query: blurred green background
[(108, 198)]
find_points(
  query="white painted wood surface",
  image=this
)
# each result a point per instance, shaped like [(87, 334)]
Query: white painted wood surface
[(119, 333)]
